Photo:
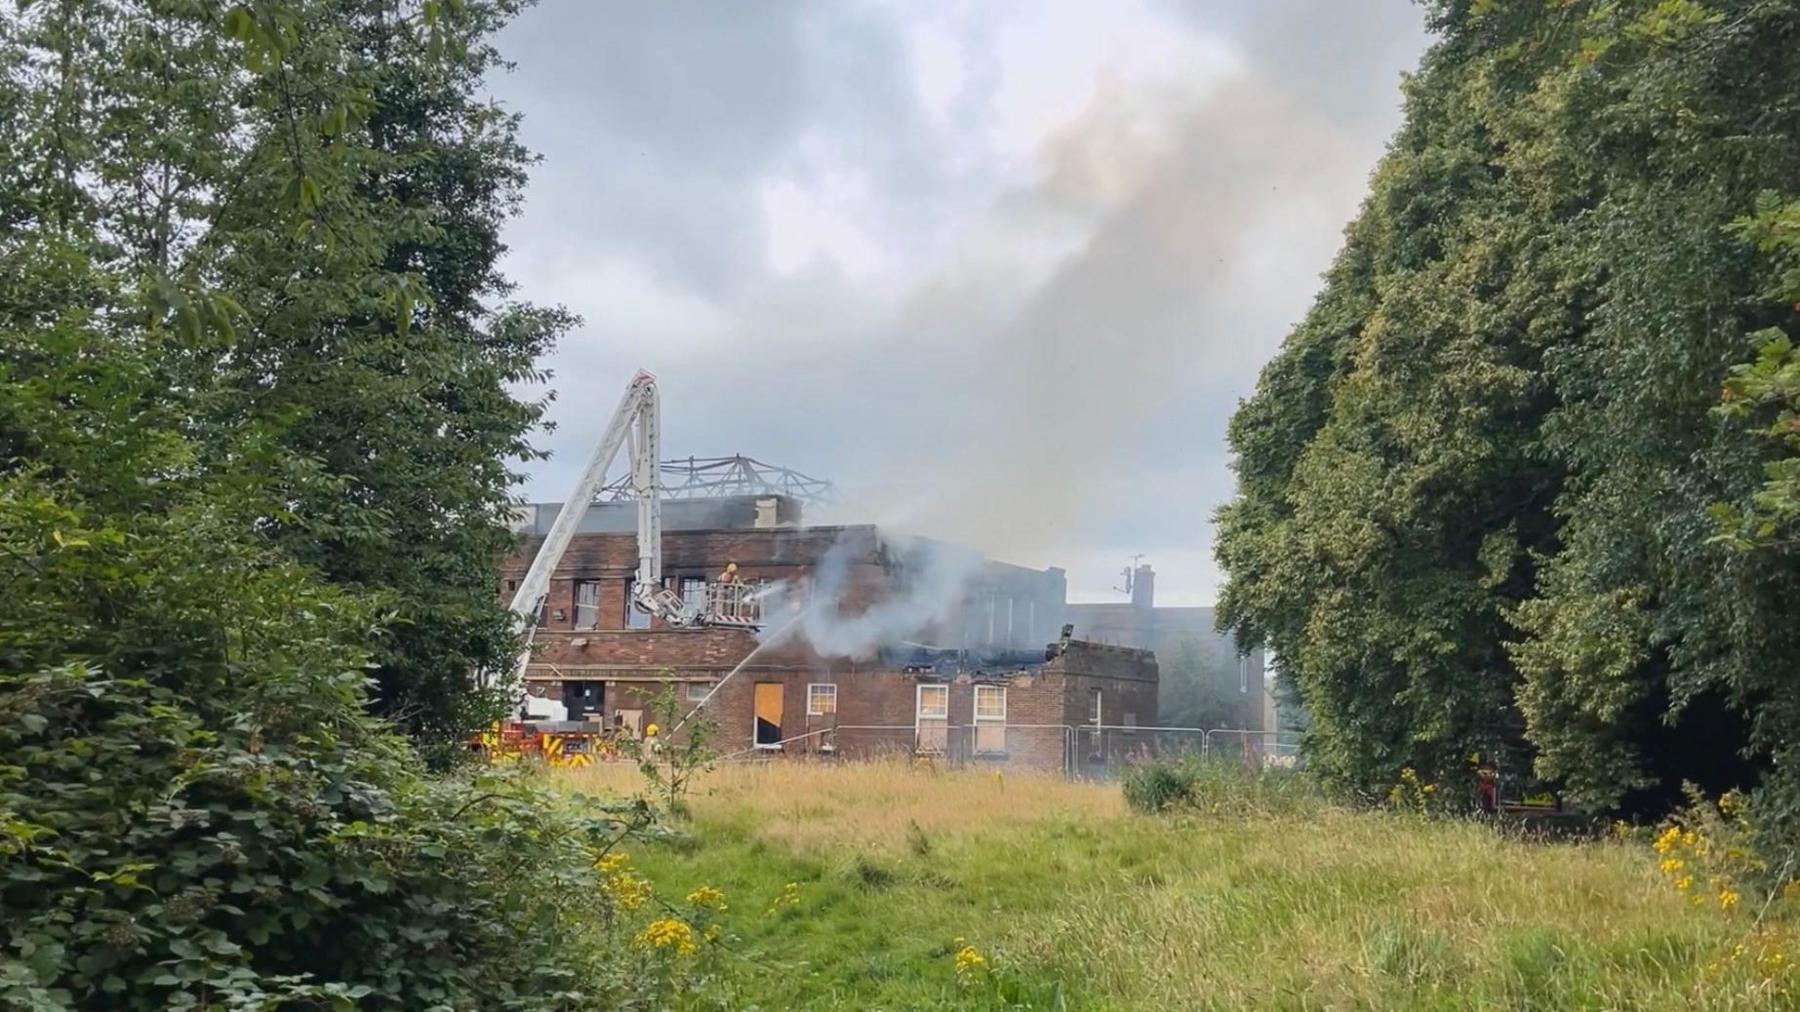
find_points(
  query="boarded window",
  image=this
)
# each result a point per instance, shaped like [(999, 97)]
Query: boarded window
[(768, 715), (821, 700), (587, 604), (990, 719), (933, 720)]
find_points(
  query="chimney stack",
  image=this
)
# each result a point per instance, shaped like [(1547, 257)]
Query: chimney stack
[(1143, 587)]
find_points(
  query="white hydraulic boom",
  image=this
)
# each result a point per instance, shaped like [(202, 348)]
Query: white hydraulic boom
[(636, 423)]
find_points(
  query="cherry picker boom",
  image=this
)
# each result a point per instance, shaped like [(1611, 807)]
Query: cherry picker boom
[(636, 425)]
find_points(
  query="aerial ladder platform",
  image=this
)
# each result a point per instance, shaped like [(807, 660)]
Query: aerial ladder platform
[(636, 426)]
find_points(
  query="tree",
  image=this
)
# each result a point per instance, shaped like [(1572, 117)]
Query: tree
[(196, 807), (1483, 483)]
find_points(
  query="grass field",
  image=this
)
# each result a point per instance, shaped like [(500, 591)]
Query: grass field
[(1063, 898)]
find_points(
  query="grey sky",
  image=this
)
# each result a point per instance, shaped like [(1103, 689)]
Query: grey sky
[(1001, 270)]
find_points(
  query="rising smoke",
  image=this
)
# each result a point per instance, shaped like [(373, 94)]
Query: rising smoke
[(929, 579)]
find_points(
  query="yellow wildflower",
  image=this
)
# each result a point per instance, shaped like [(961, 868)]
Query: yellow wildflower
[(1671, 865), (627, 890), (969, 960), (609, 863), (668, 933), (707, 896), (1728, 898), (1684, 883), (712, 933), (790, 896), (1669, 838)]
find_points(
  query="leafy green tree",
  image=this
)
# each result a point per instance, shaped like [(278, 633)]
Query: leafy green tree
[(318, 186), (1482, 485), (196, 807)]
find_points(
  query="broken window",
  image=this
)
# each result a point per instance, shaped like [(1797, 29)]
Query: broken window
[(587, 604), (635, 617), (821, 700), (990, 719), (932, 723)]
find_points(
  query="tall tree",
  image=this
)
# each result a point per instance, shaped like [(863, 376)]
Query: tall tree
[(196, 808), (1481, 487), (335, 212)]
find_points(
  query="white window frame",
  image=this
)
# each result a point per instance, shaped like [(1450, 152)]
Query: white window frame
[(919, 702), (990, 721), (1001, 689), (1098, 699), (812, 690)]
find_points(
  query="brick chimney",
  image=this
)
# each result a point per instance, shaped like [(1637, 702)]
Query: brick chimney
[(1143, 587)]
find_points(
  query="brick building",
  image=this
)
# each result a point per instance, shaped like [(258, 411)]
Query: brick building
[(982, 674)]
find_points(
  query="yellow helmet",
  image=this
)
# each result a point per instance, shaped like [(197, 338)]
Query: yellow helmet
[(650, 730)]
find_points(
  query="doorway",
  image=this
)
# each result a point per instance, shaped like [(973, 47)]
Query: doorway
[(768, 715)]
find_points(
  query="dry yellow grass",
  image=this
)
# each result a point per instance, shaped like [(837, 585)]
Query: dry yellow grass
[(813, 806)]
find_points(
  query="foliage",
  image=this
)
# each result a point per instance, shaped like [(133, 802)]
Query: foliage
[(196, 807), (1220, 787), (1486, 504), (300, 203), (670, 762)]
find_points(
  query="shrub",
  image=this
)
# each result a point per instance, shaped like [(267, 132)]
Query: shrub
[(195, 810), (1220, 787), (1154, 787)]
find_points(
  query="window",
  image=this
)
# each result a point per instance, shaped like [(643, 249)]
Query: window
[(1244, 673), (635, 617), (1097, 709), (693, 594), (1130, 720), (587, 604), (934, 701), (990, 719), (697, 691), (932, 724), (821, 700)]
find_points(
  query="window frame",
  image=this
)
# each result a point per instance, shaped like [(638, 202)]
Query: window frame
[(979, 689), (812, 689), (989, 722), (1097, 715), (919, 701), (634, 619), (688, 694), (575, 605)]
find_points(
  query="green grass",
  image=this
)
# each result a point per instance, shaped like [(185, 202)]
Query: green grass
[(1077, 903)]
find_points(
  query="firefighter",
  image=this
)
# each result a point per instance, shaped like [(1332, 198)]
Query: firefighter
[(730, 575)]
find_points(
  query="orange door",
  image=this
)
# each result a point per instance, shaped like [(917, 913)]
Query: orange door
[(768, 715)]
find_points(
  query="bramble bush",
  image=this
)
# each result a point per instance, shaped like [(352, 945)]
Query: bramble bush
[(196, 811)]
